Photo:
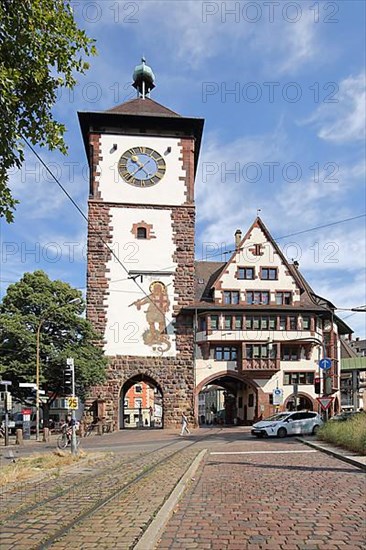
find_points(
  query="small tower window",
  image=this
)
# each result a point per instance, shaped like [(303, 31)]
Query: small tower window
[(141, 233)]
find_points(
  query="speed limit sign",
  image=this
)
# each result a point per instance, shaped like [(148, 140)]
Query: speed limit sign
[(72, 403)]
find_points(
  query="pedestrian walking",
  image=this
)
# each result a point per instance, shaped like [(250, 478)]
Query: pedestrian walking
[(184, 425)]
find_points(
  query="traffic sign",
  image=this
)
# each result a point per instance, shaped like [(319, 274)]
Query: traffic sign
[(325, 363), (26, 385), (72, 403), (6, 382), (43, 398), (325, 402), (277, 396)]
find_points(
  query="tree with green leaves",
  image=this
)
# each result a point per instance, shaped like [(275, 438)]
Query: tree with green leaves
[(53, 309), (41, 51)]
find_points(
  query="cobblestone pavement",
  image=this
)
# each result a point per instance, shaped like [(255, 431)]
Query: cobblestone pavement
[(272, 498), (42, 521), (18, 497), (120, 523)]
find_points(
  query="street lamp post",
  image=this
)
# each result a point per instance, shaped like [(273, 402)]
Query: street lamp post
[(37, 377), (38, 342)]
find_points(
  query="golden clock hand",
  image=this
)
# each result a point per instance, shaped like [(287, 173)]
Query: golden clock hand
[(141, 166)]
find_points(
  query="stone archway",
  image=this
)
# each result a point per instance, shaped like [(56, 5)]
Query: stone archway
[(235, 385), (141, 403), (305, 402)]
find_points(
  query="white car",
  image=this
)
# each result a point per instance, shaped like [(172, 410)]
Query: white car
[(288, 423)]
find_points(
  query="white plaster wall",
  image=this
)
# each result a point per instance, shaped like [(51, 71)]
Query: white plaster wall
[(125, 323), (208, 367), (245, 258), (169, 191)]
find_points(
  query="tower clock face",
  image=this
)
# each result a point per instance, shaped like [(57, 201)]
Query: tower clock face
[(141, 166)]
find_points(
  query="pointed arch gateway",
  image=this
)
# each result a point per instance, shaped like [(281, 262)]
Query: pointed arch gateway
[(141, 403), (242, 400)]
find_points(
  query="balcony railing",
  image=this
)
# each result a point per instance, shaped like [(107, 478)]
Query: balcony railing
[(261, 364)]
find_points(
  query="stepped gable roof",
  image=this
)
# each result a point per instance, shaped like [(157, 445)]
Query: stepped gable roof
[(143, 107), (347, 352)]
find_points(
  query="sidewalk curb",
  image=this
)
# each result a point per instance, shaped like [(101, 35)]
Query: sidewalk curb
[(334, 454), (151, 536)]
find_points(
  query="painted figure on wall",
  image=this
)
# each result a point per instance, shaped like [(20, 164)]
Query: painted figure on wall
[(158, 306)]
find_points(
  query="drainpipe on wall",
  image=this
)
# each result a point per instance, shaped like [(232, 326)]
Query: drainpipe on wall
[(195, 397)]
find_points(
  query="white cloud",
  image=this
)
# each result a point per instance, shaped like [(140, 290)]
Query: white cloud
[(345, 293), (195, 32), (39, 195), (344, 120), (289, 46)]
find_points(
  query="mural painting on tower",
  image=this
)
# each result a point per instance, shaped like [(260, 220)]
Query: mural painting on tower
[(143, 158), (157, 306)]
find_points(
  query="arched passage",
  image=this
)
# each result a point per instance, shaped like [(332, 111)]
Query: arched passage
[(226, 398), (141, 404), (304, 402)]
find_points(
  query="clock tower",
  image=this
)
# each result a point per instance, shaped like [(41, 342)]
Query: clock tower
[(141, 222)]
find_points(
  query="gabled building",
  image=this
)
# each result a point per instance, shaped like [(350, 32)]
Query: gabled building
[(260, 327)]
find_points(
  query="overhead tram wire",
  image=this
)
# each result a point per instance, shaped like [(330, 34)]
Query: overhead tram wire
[(117, 258), (291, 235), (104, 242)]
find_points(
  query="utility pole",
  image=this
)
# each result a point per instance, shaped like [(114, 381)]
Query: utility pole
[(296, 392), (70, 364), (355, 389), (37, 376)]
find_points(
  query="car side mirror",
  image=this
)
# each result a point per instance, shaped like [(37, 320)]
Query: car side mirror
[(288, 420)]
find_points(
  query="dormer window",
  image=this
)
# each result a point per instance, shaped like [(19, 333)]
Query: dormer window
[(141, 233)]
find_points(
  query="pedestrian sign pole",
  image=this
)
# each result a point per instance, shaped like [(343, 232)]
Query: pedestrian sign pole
[(7, 406), (325, 364), (73, 399)]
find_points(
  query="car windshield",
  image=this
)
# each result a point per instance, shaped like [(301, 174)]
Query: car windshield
[(277, 417)]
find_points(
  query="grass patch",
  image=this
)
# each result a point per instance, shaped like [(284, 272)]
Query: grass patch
[(31, 466), (349, 434)]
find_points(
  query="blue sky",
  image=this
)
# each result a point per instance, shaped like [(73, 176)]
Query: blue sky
[(281, 86)]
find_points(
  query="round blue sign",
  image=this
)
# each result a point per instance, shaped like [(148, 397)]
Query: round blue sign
[(325, 363)]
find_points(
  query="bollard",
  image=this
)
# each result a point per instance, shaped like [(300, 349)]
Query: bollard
[(99, 429), (46, 434), (19, 437), (82, 430)]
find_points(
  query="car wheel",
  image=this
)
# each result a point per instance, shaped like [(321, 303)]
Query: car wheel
[(315, 429), (282, 432)]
